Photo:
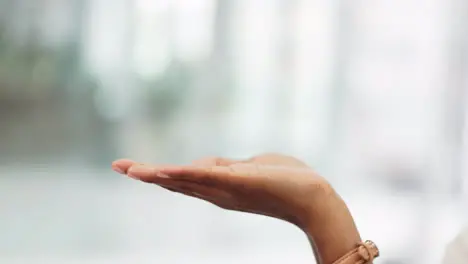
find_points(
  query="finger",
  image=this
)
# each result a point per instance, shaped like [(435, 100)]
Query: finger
[(241, 176), (196, 190), (148, 173), (277, 159), (209, 175), (198, 196), (121, 166), (165, 182)]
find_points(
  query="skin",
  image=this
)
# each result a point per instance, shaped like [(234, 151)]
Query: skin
[(273, 185)]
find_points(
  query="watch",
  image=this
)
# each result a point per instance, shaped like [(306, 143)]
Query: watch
[(364, 253)]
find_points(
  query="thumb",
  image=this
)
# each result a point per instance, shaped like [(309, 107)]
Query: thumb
[(214, 161)]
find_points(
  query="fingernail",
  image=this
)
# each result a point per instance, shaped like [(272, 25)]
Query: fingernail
[(131, 174), (118, 170)]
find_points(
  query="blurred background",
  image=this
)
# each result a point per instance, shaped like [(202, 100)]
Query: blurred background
[(371, 93)]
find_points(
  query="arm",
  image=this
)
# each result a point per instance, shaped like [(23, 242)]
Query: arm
[(273, 185), (332, 234)]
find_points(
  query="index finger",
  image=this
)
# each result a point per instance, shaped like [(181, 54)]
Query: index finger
[(122, 165), (206, 175)]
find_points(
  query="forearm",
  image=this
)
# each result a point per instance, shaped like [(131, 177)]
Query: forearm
[(332, 234)]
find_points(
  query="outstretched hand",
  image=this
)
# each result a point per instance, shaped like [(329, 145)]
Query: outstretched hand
[(271, 184)]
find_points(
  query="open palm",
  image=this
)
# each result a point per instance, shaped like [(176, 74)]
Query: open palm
[(270, 184)]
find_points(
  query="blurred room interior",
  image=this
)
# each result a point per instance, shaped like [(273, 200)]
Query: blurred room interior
[(371, 93)]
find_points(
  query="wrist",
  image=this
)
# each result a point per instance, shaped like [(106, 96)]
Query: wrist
[(330, 228)]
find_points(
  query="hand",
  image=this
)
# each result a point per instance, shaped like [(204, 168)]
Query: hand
[(271, 184)]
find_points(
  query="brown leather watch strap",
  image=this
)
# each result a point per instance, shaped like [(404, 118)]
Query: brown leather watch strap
[(364, 253)]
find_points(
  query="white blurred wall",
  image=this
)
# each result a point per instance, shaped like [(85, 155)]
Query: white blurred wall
[(362, 90)]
